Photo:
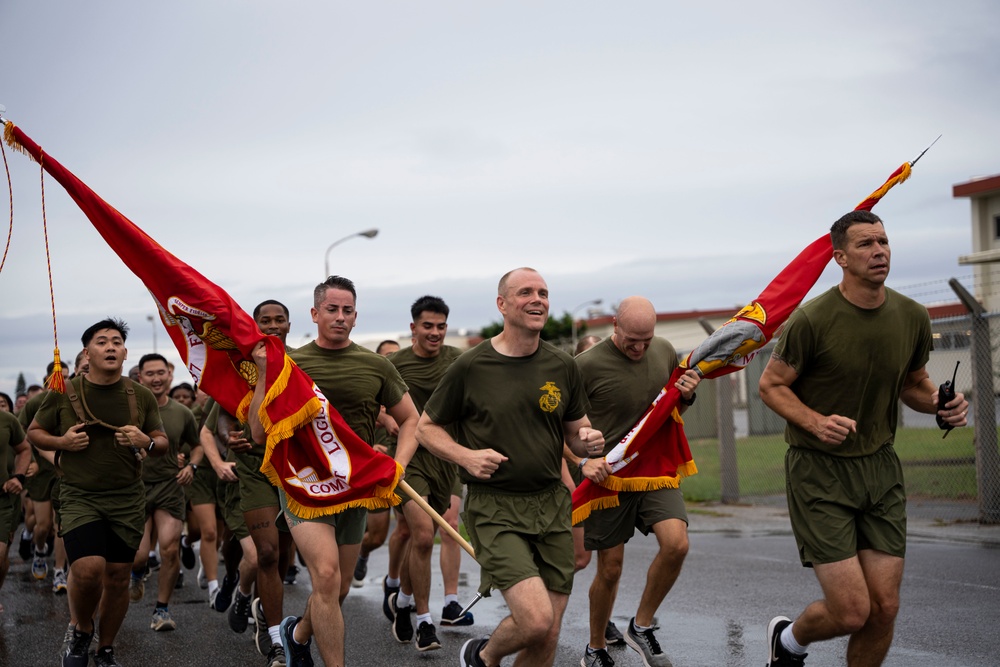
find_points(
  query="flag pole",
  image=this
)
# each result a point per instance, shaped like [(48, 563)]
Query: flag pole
[(438, 519)]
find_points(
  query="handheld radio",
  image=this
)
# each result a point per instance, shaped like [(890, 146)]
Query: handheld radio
[(946, 394)]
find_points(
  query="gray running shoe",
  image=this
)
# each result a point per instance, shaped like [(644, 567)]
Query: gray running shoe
[(77, 649), (59, 582), (276, 656), (105, 657), (779, 655), (598, 658), (613, 636), (261, 636), (162, 622), (644, 643)]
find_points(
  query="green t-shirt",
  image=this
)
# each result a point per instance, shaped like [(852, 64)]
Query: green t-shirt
[(852, 362), (25, 416), (214, 411), (621, 390), (515, 406), (355, 380), (11, 435), (422, 375), (182, 429), (104, 465)]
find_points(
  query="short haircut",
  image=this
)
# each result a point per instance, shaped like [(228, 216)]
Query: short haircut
[(838, 232), (10, 401), (586, 343), (79, 358), (269, 302), (107, 323), (502, 286), (152, 356), (180, 387), (388, 341), (33, 388), (51, 367), (433, 304), (333, 282)]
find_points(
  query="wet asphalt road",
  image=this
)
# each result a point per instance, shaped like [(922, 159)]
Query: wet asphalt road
[(715, 616)]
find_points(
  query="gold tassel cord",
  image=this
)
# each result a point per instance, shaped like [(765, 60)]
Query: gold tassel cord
[(10, 192), (56, 382)]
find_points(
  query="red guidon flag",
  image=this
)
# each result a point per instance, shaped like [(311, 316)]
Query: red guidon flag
[(320, 463), (655, 453)]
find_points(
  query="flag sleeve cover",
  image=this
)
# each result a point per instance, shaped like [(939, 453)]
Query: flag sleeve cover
[(311, 453)]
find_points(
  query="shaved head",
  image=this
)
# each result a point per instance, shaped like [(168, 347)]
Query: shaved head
[(634, 326), (502, 286)]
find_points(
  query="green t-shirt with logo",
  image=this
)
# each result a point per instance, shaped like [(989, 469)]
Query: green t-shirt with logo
[(181, 427), (620, 390), (853, 362), (104, 464), (11, 435), (356, 381), (25, 416), (515, 406)]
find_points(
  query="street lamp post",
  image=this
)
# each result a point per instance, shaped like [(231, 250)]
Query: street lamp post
[(368, 234), (152, 321), (593, 302)]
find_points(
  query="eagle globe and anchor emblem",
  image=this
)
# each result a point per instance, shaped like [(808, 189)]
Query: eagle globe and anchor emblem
[(549, 401)]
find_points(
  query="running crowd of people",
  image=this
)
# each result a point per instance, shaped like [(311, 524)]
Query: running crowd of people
[(126, 473)]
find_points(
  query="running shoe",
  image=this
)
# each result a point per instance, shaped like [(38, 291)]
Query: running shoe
[(179, 584), (25, 548), (105, 657), (187, 554), (59, 582), (291, 574), (39, 567), (262, 637), (239, 612), (202, 579), (427, 639), (779, 655), (469, 657), (644, 643), (296, 655), (224, 594), (136, 588), (597, 658), (387, 591), (360, 571), (613, 636), (452, 615), (402, 626), (76, 653), (276, 656), (162, 622), (153, 563)]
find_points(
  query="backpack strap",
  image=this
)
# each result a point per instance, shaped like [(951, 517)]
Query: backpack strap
[(133, 408)]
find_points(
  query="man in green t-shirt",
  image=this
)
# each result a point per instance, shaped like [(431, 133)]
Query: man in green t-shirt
[(164, 484), (844, 361), (623, 375), (513, 400), (422, 365), (99, 428), (13, 447), (357, 382)]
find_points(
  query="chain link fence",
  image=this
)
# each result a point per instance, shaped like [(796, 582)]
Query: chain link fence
[(738, 443)]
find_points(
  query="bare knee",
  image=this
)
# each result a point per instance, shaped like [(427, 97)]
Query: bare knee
[(325, 579), (536, 626)]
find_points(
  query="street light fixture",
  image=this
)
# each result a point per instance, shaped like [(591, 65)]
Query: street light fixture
[(152, 321), (586, 304), (368, 234)]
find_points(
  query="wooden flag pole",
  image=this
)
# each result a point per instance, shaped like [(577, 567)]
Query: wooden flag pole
[(438, 519)]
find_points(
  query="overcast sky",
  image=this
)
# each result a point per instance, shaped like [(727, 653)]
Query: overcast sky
[(683, 151)]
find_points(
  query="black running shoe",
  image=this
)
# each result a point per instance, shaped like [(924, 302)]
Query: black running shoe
[(25, 547), (188, 559), (291, 574), (452, 615), (598, 658), (469, 657), (153, 563), (296, 655), (613, 636), (76, 653), (387, 591), (276, 656), (360, 572), (427, 639), (779, 655), (224, 598), (402, 626), (239, 613), (105, 657)]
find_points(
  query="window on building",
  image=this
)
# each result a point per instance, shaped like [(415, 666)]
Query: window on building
[(996, 226)]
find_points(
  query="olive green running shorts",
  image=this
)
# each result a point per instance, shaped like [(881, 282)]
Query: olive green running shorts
[(349, 524), (520, 536), (840, 505), (608, 528), (168, 496), (10, 516), (124, 509)]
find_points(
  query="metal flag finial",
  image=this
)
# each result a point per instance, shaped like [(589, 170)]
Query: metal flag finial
[(914, 160)]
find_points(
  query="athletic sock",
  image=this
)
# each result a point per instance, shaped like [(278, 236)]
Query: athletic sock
[(274, 631), (641, 628), (160, 605), (448, 599), (391, 583), (403, 600), (424, 618), (213, 586), (789, 642)]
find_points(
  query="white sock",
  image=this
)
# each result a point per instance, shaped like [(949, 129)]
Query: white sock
[(788, 641), (391, 583), (152, 554), (403, 600), (424, 618), (274, 631), (43, 552), (448, 599), (25, 535), (640, 628), (213, 586)]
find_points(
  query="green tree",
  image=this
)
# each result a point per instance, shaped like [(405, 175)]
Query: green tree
[(557, 330), (21, 385)]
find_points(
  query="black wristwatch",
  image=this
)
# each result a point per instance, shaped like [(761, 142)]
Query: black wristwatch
[(689, 401), (152, 444), (19, 477), (194, 467)]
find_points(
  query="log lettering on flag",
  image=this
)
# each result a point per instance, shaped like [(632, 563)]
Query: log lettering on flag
[(311, 453)]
